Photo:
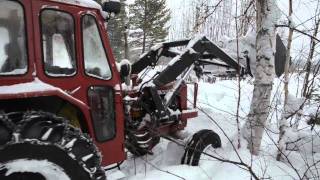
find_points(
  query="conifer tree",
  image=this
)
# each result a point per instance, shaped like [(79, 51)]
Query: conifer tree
[(117, 27), (151, 17)]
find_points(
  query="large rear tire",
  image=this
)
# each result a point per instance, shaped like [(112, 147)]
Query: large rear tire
[(42, 146)]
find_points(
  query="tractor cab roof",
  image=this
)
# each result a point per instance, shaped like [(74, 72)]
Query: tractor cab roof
[(83, 3)]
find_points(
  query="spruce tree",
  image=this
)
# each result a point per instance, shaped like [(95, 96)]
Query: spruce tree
[(117, 33), (150, 16)]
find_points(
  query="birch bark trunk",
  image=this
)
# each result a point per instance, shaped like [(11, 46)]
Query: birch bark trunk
[(267, 15), (283, 122)]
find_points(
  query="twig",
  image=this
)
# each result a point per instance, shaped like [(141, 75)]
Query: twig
[(297, 30)]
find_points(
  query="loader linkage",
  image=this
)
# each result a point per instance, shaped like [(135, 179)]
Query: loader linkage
[(161, 104), (198, 53)]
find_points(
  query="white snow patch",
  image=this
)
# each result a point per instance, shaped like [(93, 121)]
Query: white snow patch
[(156, 47), (195, 40), (293, 104), (143, 55), (84, 3), (34, 86), (128, 98), (117, 87), (49, 170), (116, 175), (15, 72), (174, 60)]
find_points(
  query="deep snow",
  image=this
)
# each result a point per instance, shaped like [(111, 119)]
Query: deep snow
[(219, 101)]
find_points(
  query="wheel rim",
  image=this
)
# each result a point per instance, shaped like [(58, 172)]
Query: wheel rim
[(37, 169)]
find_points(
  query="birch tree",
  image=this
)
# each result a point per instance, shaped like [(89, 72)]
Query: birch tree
[(283, 122), (266, 17)]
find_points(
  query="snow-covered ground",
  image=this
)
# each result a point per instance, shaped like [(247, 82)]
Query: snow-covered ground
[(219, 100)]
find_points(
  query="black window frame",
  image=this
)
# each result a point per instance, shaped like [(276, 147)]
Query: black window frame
[(75, 44)]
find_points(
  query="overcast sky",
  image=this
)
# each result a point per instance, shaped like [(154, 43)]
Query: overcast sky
[(303, 10)]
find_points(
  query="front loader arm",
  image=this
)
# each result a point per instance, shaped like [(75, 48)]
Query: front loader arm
[(206, 49), (198, 52)]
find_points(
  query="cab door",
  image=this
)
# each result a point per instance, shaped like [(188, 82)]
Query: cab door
[(104, 93)]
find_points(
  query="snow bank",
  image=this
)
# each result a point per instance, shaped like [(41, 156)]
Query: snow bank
[(247, 48), (219, 100)]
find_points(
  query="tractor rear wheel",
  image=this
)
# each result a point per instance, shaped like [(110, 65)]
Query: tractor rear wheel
[(195, 148), (42, 146)]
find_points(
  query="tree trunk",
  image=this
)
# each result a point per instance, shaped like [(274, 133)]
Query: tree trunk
[(310, 57), (283, 122), (239, 80), (126, 45), (144, 42), (265, 42), (144, 27)]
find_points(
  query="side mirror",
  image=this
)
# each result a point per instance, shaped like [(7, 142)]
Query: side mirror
[(124, 67), (112, 6)]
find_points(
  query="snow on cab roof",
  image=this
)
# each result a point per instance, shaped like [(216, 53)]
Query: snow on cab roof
[(84, 3)]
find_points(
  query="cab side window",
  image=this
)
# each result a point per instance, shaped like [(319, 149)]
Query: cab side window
[(13, 50), (58, 43), (95, 58)]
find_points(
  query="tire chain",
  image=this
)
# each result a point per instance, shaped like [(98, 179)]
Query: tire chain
[(16, 122)]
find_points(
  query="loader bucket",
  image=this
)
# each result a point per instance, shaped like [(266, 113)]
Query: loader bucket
[(280, 57)]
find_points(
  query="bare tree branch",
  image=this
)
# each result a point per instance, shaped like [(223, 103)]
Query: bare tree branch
[(299, 31)]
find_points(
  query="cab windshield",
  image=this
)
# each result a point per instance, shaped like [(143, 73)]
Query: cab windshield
[(13, 54)]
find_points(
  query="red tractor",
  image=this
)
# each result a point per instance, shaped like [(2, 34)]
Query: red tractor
[(64, 112)]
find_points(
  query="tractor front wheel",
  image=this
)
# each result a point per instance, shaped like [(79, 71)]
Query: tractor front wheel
[(198, 144)]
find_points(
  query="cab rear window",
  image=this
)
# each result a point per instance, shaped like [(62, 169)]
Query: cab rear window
[(13, 52)]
